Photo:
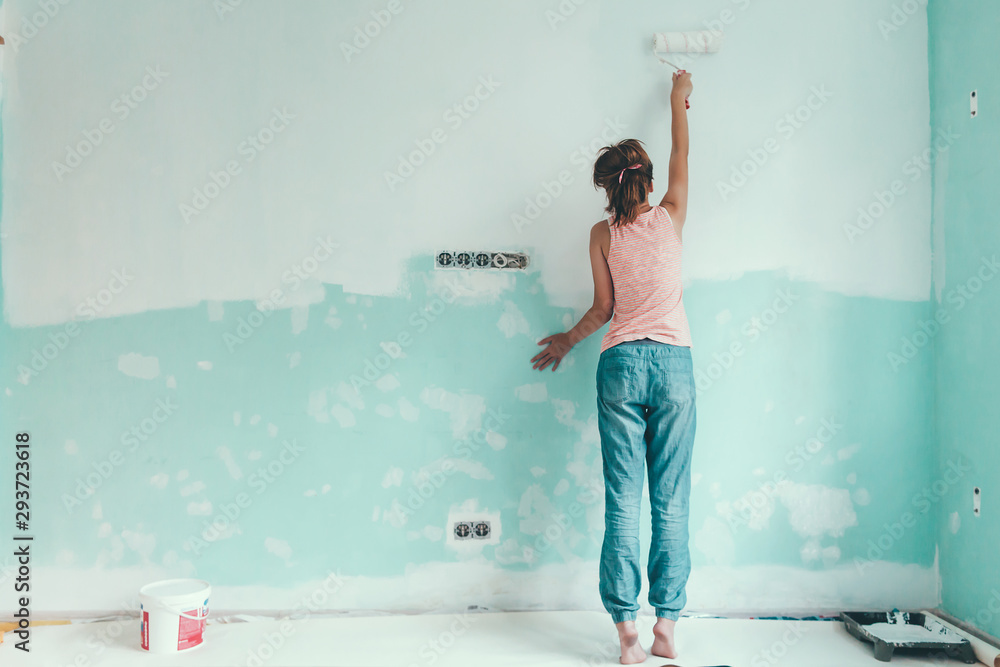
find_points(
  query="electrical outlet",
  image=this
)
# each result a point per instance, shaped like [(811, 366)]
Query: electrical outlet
[(974, 103), (977, 497), (462, 530), (482, 260), (481, 530), (472, 530)]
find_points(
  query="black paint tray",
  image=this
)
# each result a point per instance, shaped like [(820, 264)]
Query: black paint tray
[(859, 623)]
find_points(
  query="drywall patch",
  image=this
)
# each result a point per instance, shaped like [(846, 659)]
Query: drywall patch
[(513, 322), (495, 440), (715, 541), (279, 548), (193, 488), (343, 416), (388, 382), (408, 411), (954, 523), (532, 393), (815, 509), (71, 447), (317, 406), (511, 552), (350, 395), (137, 366), (203, 508), (159, 480), (551, 526), (473, 469), (393, 477), (469, 287), (142, 543), (227, 457), (848, 452), (466, 410)]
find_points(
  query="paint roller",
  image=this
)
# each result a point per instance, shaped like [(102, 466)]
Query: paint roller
[(700, 41)]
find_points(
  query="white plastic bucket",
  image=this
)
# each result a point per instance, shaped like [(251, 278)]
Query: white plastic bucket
[(172, 614)]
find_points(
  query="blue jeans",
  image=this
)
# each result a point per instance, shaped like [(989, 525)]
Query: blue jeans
[(645, 414)]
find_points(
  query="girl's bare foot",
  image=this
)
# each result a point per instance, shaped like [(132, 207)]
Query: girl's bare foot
[(632, 653), (663, 645)]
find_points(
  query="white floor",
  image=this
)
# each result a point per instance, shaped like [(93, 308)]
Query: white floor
[(546, 639)]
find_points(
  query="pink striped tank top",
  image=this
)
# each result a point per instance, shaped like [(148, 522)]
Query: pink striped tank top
[(645, 263)]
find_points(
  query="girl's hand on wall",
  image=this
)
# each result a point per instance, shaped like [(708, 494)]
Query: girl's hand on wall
[(559, 345)]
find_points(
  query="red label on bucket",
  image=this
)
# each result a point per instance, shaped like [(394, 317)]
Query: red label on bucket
[(190, 631), (144, 630)]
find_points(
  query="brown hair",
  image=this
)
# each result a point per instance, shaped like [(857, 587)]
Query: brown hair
[(624, 197)]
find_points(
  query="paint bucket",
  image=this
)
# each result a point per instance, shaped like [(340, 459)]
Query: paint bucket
[(172, 614)]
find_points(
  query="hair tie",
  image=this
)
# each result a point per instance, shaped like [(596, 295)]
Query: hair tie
[(622, 175)]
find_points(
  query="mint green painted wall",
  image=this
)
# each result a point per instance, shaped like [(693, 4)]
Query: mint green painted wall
[(964, 56), (825, 395), (825, 359)]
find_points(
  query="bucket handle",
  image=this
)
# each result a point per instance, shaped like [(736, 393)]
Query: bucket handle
[(164, 605)]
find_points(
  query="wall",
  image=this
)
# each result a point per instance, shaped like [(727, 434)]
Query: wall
[(270, 349), (967, 241)]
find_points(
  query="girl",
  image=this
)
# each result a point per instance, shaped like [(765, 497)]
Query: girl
[(645, 380)]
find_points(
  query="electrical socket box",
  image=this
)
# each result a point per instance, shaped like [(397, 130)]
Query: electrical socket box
[(480, 260), (472, 530)]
